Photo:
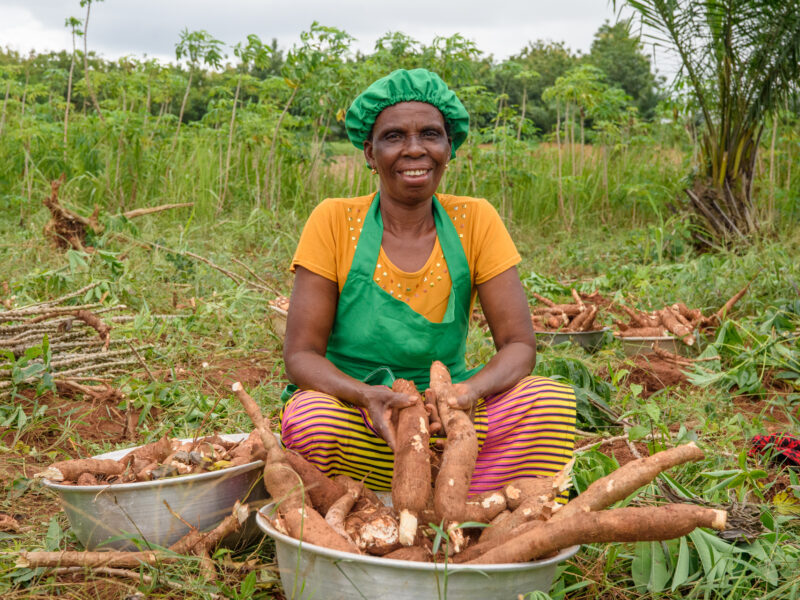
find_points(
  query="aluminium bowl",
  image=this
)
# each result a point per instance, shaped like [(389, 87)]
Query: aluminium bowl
[(633, 346), (111, 516), (588, 340), (309, 571)]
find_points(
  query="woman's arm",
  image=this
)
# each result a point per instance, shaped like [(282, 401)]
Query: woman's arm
[(506, 308), (312, 310)]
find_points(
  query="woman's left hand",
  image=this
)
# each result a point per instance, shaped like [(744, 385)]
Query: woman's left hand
[(465, 397)]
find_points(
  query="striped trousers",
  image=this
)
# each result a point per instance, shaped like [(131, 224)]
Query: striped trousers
[(526, 431)]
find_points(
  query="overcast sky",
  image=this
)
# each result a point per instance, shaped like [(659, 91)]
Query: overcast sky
[(138, 27)]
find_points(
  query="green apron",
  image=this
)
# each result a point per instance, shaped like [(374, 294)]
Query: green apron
[(377, 337)]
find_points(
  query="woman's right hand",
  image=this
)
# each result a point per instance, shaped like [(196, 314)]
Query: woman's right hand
[(382, 405)]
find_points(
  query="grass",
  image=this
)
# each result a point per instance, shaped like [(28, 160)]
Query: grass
[(644, 260)]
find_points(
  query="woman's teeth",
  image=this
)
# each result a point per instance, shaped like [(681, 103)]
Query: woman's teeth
[(415, 173)]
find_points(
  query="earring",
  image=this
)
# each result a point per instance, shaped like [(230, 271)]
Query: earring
[(446, 165), (374, 171)]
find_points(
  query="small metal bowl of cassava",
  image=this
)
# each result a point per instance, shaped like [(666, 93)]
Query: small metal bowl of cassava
[(309, 571), (115, 516)]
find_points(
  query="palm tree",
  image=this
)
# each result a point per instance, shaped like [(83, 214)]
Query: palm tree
[(741, 61)]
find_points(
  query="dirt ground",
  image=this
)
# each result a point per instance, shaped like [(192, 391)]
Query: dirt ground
[(654, 373), (617, 449)]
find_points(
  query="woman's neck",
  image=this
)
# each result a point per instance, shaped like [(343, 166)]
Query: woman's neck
[(404, 220)]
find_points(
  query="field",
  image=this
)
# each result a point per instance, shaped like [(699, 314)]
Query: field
[(603, 216)]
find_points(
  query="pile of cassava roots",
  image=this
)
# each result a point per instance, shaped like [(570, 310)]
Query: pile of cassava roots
[(578, 316), (158, 460), (676, 319), (525, 520)]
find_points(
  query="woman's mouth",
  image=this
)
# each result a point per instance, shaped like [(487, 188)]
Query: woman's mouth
[(414, 172)]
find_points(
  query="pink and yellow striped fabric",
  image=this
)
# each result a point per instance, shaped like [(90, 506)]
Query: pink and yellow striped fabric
[(527, 431)]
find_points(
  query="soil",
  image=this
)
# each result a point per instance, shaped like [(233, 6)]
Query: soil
[(618, 449), (91, 422), (218, 374), (774, 418), (654, 373)]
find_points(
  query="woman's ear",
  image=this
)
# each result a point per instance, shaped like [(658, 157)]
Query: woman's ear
[(368, 154)]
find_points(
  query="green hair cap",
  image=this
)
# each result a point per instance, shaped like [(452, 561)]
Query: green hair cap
[(415, 85)]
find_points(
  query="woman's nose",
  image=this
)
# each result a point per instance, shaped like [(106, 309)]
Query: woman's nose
[(414, 146)]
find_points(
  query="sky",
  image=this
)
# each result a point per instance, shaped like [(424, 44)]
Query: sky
[(152, 27)]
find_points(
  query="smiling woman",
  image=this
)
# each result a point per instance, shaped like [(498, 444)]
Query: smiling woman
[(384, 286)]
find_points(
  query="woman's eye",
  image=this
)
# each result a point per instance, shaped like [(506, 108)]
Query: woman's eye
[(392, 137), (430, 133)]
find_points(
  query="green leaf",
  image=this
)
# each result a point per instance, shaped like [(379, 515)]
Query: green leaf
[(637, 432), (681, 574), (248, 585), (704, 551), (640, 567), (54, 534)]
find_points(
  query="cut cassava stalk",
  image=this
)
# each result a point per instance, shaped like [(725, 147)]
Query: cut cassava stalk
[(411, 480), (627, 479), (726, 308), (73, 558), (460, 452), (286, 487), (617, 525)]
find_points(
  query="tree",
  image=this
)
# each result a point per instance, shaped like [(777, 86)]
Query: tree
[(253, 52), (741, 61), (550, 60), (74, 25), (579, 92), (92, 95), (619, 55), (196, 47)]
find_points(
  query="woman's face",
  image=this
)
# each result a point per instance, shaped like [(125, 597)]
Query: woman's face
[(410, 149)]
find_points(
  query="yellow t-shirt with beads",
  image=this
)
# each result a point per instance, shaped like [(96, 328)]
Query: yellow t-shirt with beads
[(328, 244)]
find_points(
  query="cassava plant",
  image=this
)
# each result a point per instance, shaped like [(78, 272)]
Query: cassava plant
[(741, 61)]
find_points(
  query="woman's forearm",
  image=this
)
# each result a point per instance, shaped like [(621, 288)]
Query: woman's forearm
[(511, 363)]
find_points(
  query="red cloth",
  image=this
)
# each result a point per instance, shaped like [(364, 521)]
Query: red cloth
[(782, 446)]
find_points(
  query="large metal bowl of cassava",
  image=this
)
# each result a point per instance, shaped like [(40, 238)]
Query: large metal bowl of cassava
[(634, 346), (124, 515), (588, 340), (308, 571)]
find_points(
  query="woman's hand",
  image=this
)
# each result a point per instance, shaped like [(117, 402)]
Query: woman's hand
[(382, 405), (464, 399)]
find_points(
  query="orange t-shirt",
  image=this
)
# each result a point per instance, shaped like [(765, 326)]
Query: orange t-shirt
[(328, 244)]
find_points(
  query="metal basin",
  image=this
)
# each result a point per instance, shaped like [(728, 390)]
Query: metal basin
[(308, 571), (633, 346), (110, 516), (588, 340)]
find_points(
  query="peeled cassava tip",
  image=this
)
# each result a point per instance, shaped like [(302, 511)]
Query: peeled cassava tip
[(237, 387), (50, 473)]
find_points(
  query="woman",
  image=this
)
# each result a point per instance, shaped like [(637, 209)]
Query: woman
[(384, 285)]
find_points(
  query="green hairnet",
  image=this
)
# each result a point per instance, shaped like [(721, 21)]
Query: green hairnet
[(416, 85)]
